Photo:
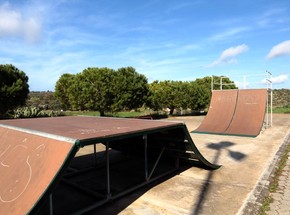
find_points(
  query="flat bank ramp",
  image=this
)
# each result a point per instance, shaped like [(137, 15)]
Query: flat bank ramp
[(235, 112), (39, 169), (28, 166), (221, 111)]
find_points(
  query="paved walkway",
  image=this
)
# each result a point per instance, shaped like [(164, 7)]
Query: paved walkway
[(281, 198)]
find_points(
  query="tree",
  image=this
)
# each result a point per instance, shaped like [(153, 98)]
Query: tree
[(199, 96), (103, 90), (168, 94), (14, 88), (131, 89), (62, 89), (93, 89)]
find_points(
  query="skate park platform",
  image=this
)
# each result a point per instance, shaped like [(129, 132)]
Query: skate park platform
[(41, 175)]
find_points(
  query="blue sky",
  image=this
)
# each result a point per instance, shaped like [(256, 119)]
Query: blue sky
[(162, 39)]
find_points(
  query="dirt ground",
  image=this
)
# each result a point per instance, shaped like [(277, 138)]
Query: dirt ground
[(246, 166)]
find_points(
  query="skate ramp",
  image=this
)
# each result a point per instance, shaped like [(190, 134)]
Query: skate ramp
[(36, 154), (28, 164), (235, 112)]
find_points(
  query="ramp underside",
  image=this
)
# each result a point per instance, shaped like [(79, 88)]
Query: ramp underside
[(37, 160), (235, 112)]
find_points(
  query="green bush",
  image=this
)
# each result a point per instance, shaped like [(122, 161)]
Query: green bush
[(33, 112)]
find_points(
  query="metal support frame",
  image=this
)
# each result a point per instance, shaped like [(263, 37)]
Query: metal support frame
[(220, 83), (147, 178)]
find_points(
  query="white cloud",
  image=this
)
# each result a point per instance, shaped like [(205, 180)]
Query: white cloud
[(13, 23), (230, 33), (279, 50), (273, 17), (228, 55), (277, 80)]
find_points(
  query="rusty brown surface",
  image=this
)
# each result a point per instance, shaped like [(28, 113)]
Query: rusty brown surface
[(84, 127), (221, 110), (250, 111), (28, 164)]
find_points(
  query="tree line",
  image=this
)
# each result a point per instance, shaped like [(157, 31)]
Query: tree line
[(108, 90)]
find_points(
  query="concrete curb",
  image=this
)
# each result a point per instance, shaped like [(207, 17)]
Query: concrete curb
[(261, 190)]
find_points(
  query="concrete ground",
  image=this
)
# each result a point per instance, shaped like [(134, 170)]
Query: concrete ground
[(246, 166)]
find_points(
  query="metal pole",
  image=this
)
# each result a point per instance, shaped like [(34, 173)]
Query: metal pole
[(95, 154), (157, 161), (108, 171), (50, 205), (267, 82), (271, 86), (145, 156)]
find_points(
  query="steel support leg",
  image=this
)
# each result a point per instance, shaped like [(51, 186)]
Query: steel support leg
[(50, 205), (108, 171), (145, 156)]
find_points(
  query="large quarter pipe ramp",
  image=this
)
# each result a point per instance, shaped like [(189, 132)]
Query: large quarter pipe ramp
[(235, 112), (39, 168)]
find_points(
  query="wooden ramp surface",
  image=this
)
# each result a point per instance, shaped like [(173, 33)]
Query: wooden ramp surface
[(28, 165), (221, 110), (249, 114), (235, 112)]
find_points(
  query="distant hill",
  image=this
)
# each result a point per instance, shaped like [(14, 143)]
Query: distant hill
[(281, 98), (43, 99)]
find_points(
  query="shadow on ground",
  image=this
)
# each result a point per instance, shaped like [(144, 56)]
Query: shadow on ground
[(219, 147)]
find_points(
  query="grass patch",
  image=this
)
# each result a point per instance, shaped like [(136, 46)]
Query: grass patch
[(274, 184), (82, 113), (285, 109), (265, 205)]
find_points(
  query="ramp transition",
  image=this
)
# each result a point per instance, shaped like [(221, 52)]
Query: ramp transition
[(235, 112), (41, 175), (221, 110)]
